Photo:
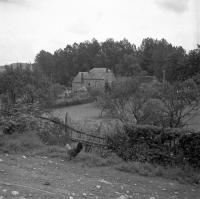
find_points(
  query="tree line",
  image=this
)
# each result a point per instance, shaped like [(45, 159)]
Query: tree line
[(154, 57)]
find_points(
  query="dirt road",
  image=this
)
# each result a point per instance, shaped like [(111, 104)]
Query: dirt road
[(36, 176)]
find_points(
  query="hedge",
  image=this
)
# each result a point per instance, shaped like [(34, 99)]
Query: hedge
[(157, 145)]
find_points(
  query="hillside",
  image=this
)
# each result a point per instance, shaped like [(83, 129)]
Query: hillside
[(43, 176)]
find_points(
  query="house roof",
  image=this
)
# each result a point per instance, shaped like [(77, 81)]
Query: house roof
[(95, 73), (98, 73)]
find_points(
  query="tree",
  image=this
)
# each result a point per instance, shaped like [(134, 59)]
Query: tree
[(155, 56), (180, 102), (11, 83), (127, 98), (27, 86), (46, 63), (193, 64)]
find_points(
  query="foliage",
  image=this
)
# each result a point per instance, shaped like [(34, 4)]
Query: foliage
[(157, 145), (51, 133), (157, 56), (127, 98), (19, 117), (76, 99), (64, 64), (180, 102), (140, 101), (153, 56), (24, 85), (23, 118)]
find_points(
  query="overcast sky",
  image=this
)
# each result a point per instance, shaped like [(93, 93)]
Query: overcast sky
[(27, 26)]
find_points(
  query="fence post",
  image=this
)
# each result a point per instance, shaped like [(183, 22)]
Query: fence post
[(67, 131)]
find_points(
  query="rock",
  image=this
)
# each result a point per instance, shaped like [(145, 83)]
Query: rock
[(84, 194), (24, 157), (15, 193), (123, 197), (104, 181), (4, 190), (70, 197), (46, 183), (98, 187), (1, 160), (2, 170), (152, 198)]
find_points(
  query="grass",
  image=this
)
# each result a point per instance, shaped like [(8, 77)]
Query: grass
[(31, 143), (20, 142), (183, 175)]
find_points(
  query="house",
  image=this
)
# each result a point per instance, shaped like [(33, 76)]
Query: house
[(96, 78)]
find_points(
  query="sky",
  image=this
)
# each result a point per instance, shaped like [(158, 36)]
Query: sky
[(28, 26)]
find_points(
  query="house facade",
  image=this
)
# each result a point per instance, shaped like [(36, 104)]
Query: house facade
[(96, 78)]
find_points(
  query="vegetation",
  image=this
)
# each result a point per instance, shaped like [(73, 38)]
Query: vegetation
[(157, 145), (164, 104), (153, 56), (26, 86)]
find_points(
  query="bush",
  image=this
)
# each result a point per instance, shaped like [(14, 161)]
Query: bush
[(19, 117), (157, 145), (52, 133)]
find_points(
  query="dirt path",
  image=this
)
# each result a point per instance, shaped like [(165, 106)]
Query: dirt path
[(43, 177)]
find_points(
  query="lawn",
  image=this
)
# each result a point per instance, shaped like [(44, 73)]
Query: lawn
[(87, 117), (78, 112)]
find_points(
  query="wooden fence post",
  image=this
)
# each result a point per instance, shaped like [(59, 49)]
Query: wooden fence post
[(67, 131)]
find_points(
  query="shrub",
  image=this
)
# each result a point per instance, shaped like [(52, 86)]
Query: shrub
[(51, 133), (157, 145)]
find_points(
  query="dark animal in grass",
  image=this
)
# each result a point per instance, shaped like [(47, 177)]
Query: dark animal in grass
[(73, 152)]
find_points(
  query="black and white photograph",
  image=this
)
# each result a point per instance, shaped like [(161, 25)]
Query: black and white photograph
[(99, 99)]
